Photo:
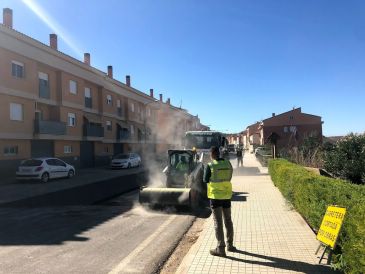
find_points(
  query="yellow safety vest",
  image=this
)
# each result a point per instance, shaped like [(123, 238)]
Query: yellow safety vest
[(219, 186), (182, 166)]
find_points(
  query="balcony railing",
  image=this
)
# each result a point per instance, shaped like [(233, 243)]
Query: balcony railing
[(49, 127), (91, 130)]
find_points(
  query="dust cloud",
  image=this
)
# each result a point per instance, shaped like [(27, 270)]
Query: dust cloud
[(169, 135)]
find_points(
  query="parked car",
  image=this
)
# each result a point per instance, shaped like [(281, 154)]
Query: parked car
[(44, 169), (231, 148), (125, 160), (261, 150)]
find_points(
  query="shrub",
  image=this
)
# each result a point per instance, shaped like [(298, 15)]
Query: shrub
[(309, 153), (310, 194), (347, 158)]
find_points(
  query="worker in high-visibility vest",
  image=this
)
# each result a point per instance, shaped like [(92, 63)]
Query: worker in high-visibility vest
[(183, 165), (218, 175)]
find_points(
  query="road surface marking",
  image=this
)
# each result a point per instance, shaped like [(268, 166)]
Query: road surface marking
[(121, 266)]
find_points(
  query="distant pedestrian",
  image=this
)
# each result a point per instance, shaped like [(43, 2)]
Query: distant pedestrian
[(239, 157), (218, 175)]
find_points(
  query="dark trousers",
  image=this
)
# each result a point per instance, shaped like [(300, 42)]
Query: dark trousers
[(239, 160), (221, 210)]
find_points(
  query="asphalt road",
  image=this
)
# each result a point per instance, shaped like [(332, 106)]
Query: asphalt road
[(117, 236)]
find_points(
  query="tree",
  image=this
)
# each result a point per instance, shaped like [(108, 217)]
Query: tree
[(347, 158)]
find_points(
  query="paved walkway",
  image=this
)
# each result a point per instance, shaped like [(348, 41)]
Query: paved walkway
[(269, 236)]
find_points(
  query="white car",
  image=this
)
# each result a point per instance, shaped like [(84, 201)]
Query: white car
[(261, 150), (44, 169), (126, 160)]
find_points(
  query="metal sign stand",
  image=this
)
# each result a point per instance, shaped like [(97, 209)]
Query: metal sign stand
[(324, 251)]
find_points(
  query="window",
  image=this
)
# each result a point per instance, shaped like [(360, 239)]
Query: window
[(119, 108), (138, 109), (132, 107), (109, 99), (73, 87), (88, 100), (55, 162), (17, 69), (291, 117), (58, 162), (71, 119), (132, 129), (148, 112), (106, 149), (285, 129), (10, 150), (51, 162), (39, 115), (43, 85), (67, 149), (87, 93), (293, 129), (108, 125), (16, 112)]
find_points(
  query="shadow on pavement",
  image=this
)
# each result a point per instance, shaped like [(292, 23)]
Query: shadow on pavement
[(53, 225), (282, 263), (239, 196), (247, 171)]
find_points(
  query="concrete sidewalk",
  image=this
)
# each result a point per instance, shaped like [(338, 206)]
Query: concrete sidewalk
[(270, 237)]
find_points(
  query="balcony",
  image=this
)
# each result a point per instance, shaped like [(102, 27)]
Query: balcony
[(93, 130), (49, 127)]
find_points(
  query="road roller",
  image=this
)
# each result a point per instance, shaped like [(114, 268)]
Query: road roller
[(183, 182)]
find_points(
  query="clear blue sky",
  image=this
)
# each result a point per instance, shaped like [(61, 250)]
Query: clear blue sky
[(231, 62)]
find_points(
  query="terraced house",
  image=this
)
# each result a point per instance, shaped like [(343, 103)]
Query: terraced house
[(52, 104)]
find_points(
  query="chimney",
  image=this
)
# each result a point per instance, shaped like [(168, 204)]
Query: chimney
[(110, 71), (160, 97), (87, 58), (53, 41), (128, 80), (8, 17), (273, 114), (151, 92), (168, 101)]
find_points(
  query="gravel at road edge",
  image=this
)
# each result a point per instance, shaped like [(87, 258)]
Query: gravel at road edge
[(190, 237)]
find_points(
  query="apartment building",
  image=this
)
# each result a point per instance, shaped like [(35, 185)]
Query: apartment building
[(233, 138), (54, 105), (253, 136), (243, 139), (173, 123)]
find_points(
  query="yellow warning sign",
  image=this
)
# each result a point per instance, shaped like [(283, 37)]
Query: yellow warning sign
[(331, 225)]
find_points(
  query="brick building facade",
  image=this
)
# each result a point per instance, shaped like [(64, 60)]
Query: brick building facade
[(292, 127), (54, 105)]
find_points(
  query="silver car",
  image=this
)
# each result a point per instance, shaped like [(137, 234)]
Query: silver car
[(126, 160), (44, 169)]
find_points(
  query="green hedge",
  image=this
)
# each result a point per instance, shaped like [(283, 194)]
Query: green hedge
[(310, 194)]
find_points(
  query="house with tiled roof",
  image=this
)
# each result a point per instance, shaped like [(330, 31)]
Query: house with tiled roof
[(291, 128)]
